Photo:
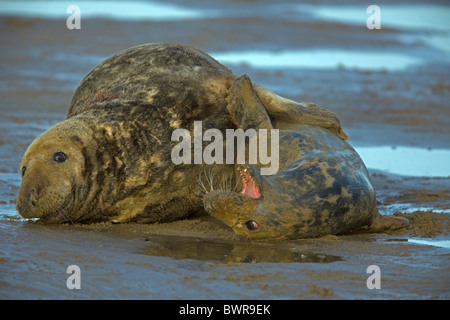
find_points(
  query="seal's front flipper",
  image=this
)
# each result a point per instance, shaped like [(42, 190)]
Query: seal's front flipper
[(249, 114), (245, 109), (385, 223), (286, 114)]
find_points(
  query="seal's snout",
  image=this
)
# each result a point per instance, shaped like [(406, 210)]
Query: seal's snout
[(32, 197), (27, 202), (229, 206)]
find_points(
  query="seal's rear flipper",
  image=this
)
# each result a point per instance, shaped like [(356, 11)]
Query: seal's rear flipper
[(287, 113), (385, 223)]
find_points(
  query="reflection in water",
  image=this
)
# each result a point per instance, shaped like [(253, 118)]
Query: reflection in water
[(228, 251)]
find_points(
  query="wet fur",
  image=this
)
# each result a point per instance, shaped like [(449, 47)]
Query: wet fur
[(322, 186), (117, 135)]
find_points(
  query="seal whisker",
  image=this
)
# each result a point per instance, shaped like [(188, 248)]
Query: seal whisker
[(224, 184), (62, 210), (66, 215), (236, 184), (209, 180), (203, 189)]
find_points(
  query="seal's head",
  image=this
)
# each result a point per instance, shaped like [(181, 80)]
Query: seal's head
[(246, 211), (51, 168)]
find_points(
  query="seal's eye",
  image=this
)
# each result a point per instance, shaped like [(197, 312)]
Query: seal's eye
[(23, 170), (59, 156), (251, 225)]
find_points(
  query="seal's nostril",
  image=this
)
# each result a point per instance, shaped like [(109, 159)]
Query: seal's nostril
[(32, 197)]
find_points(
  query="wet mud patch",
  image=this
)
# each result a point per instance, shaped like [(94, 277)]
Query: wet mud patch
[(427, 223), (232, 251), (152, 262), (406, 194)]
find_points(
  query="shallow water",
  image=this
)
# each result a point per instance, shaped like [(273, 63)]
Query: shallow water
[(436, 243), (230, 251), (408, 161), (433, 20), (409, 208), (130, 10), (320, 59), (411, 16)]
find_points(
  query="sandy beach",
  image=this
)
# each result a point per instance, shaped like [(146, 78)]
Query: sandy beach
[(390, 88)]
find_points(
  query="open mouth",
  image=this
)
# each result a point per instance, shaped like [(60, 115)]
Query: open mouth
[(249, 185)]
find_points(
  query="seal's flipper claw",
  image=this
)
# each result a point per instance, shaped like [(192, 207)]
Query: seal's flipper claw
[(244, 107), (287, 114)]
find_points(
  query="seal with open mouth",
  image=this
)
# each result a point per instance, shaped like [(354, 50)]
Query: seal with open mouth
[(322, 186)]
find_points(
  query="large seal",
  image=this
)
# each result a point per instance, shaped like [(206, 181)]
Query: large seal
[(322, 187), (110, 159)]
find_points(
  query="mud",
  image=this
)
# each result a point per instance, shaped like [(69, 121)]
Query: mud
[(41, 64)]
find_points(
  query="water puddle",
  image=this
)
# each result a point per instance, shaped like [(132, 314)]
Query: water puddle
[(430, 18), (319, 59), (127, 10), (181, 248), (409, 16), (408, 161), (408, 208), (435, 243), (420, 241), (420, 17)]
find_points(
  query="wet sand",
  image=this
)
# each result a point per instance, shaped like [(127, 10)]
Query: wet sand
[(197, 259), (42, 62)]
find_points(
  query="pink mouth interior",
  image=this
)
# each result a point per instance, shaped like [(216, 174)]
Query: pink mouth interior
[(249, 187)]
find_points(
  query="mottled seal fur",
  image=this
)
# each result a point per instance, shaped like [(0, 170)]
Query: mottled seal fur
[(322, 187), (109, 160)]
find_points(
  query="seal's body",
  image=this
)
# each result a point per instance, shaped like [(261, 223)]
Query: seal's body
[(110, 159), (322, 187)]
